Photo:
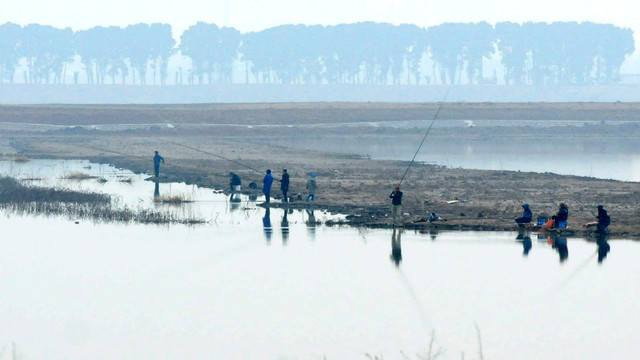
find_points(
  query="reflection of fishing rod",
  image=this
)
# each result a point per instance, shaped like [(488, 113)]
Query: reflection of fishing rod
[(425, 136), (571, 276), (416, 300)]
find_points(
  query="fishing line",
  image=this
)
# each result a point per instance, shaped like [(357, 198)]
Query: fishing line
[(425, 135)]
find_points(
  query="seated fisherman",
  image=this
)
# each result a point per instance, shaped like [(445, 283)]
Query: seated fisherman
[(433, 217), (527, 215), (561, 216)]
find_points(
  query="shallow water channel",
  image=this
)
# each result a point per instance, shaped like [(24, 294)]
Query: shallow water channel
[(248, 286)]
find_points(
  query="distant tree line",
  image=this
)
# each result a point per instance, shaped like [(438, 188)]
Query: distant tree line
[(361, 53)]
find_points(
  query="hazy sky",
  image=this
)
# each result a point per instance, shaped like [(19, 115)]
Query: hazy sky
[(250, 15)]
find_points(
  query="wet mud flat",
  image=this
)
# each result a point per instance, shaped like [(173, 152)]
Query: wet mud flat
[(353, 185)]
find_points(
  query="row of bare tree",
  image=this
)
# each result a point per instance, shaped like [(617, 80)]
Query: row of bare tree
[(361, 53)]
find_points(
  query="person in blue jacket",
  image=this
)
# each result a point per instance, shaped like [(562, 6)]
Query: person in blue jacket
[(527, 215), (266, 185), (156, 163)]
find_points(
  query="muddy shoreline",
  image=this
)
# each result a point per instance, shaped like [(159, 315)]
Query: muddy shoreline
[(348, 184)]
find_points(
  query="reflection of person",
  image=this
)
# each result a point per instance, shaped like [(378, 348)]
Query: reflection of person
[(266, 185), (312, 185), (433, 234), (603, 246), (560, 244), (396, 247), (156, 163), (526, 242), (562, 215), (527, 215), (311, 223), (284, 225), (396, 204), (266, 223), (156, 190), (284, 185)]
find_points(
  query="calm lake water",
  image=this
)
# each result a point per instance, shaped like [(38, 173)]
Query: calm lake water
[(248, 286)]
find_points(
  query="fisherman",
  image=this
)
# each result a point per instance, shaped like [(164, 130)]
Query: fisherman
[(433, 217), (603, 221), (526, 217), (396, 204), (235, 183), (561, 216), (266, 185), (284, 185), (312, 186), (156, 163)]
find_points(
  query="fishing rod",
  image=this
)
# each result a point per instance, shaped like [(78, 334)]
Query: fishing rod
[(216, 155), (137, 156), (576, 198), (425, 135)]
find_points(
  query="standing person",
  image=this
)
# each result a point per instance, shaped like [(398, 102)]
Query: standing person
[(156, 163), (266, 185), (396, 203), (527, 215), (284, 185), (312, 186), (236, 187), (562, 215), (603, 220)]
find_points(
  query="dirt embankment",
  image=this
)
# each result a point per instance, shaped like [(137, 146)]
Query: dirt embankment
[(489, 200)]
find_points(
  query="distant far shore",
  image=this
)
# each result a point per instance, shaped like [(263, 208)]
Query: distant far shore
[(267, 93)]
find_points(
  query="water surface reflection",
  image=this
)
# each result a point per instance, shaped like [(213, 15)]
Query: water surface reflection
[(221, 291)]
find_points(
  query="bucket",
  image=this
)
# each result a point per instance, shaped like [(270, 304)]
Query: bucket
[(542, 221), (549, 223)]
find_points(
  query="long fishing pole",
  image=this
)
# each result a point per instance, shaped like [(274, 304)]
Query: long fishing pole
[(216, 155), (576, 198), (425, 136)]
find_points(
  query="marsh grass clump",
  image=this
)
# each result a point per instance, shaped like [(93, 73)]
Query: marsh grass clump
[(172, 199), (27, 200), (12, 191), (77, 175)]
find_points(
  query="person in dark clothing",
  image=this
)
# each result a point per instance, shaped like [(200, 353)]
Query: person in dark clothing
[(266, 186), (284, 185), (527, 215), (561, 216), (603, 220), (235, 181), (396, 203), (156, 163), (235, 184), (433, 217)]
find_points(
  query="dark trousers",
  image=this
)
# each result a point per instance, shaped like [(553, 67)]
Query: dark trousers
[(284, 195), (156, 169), (523, 220)]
